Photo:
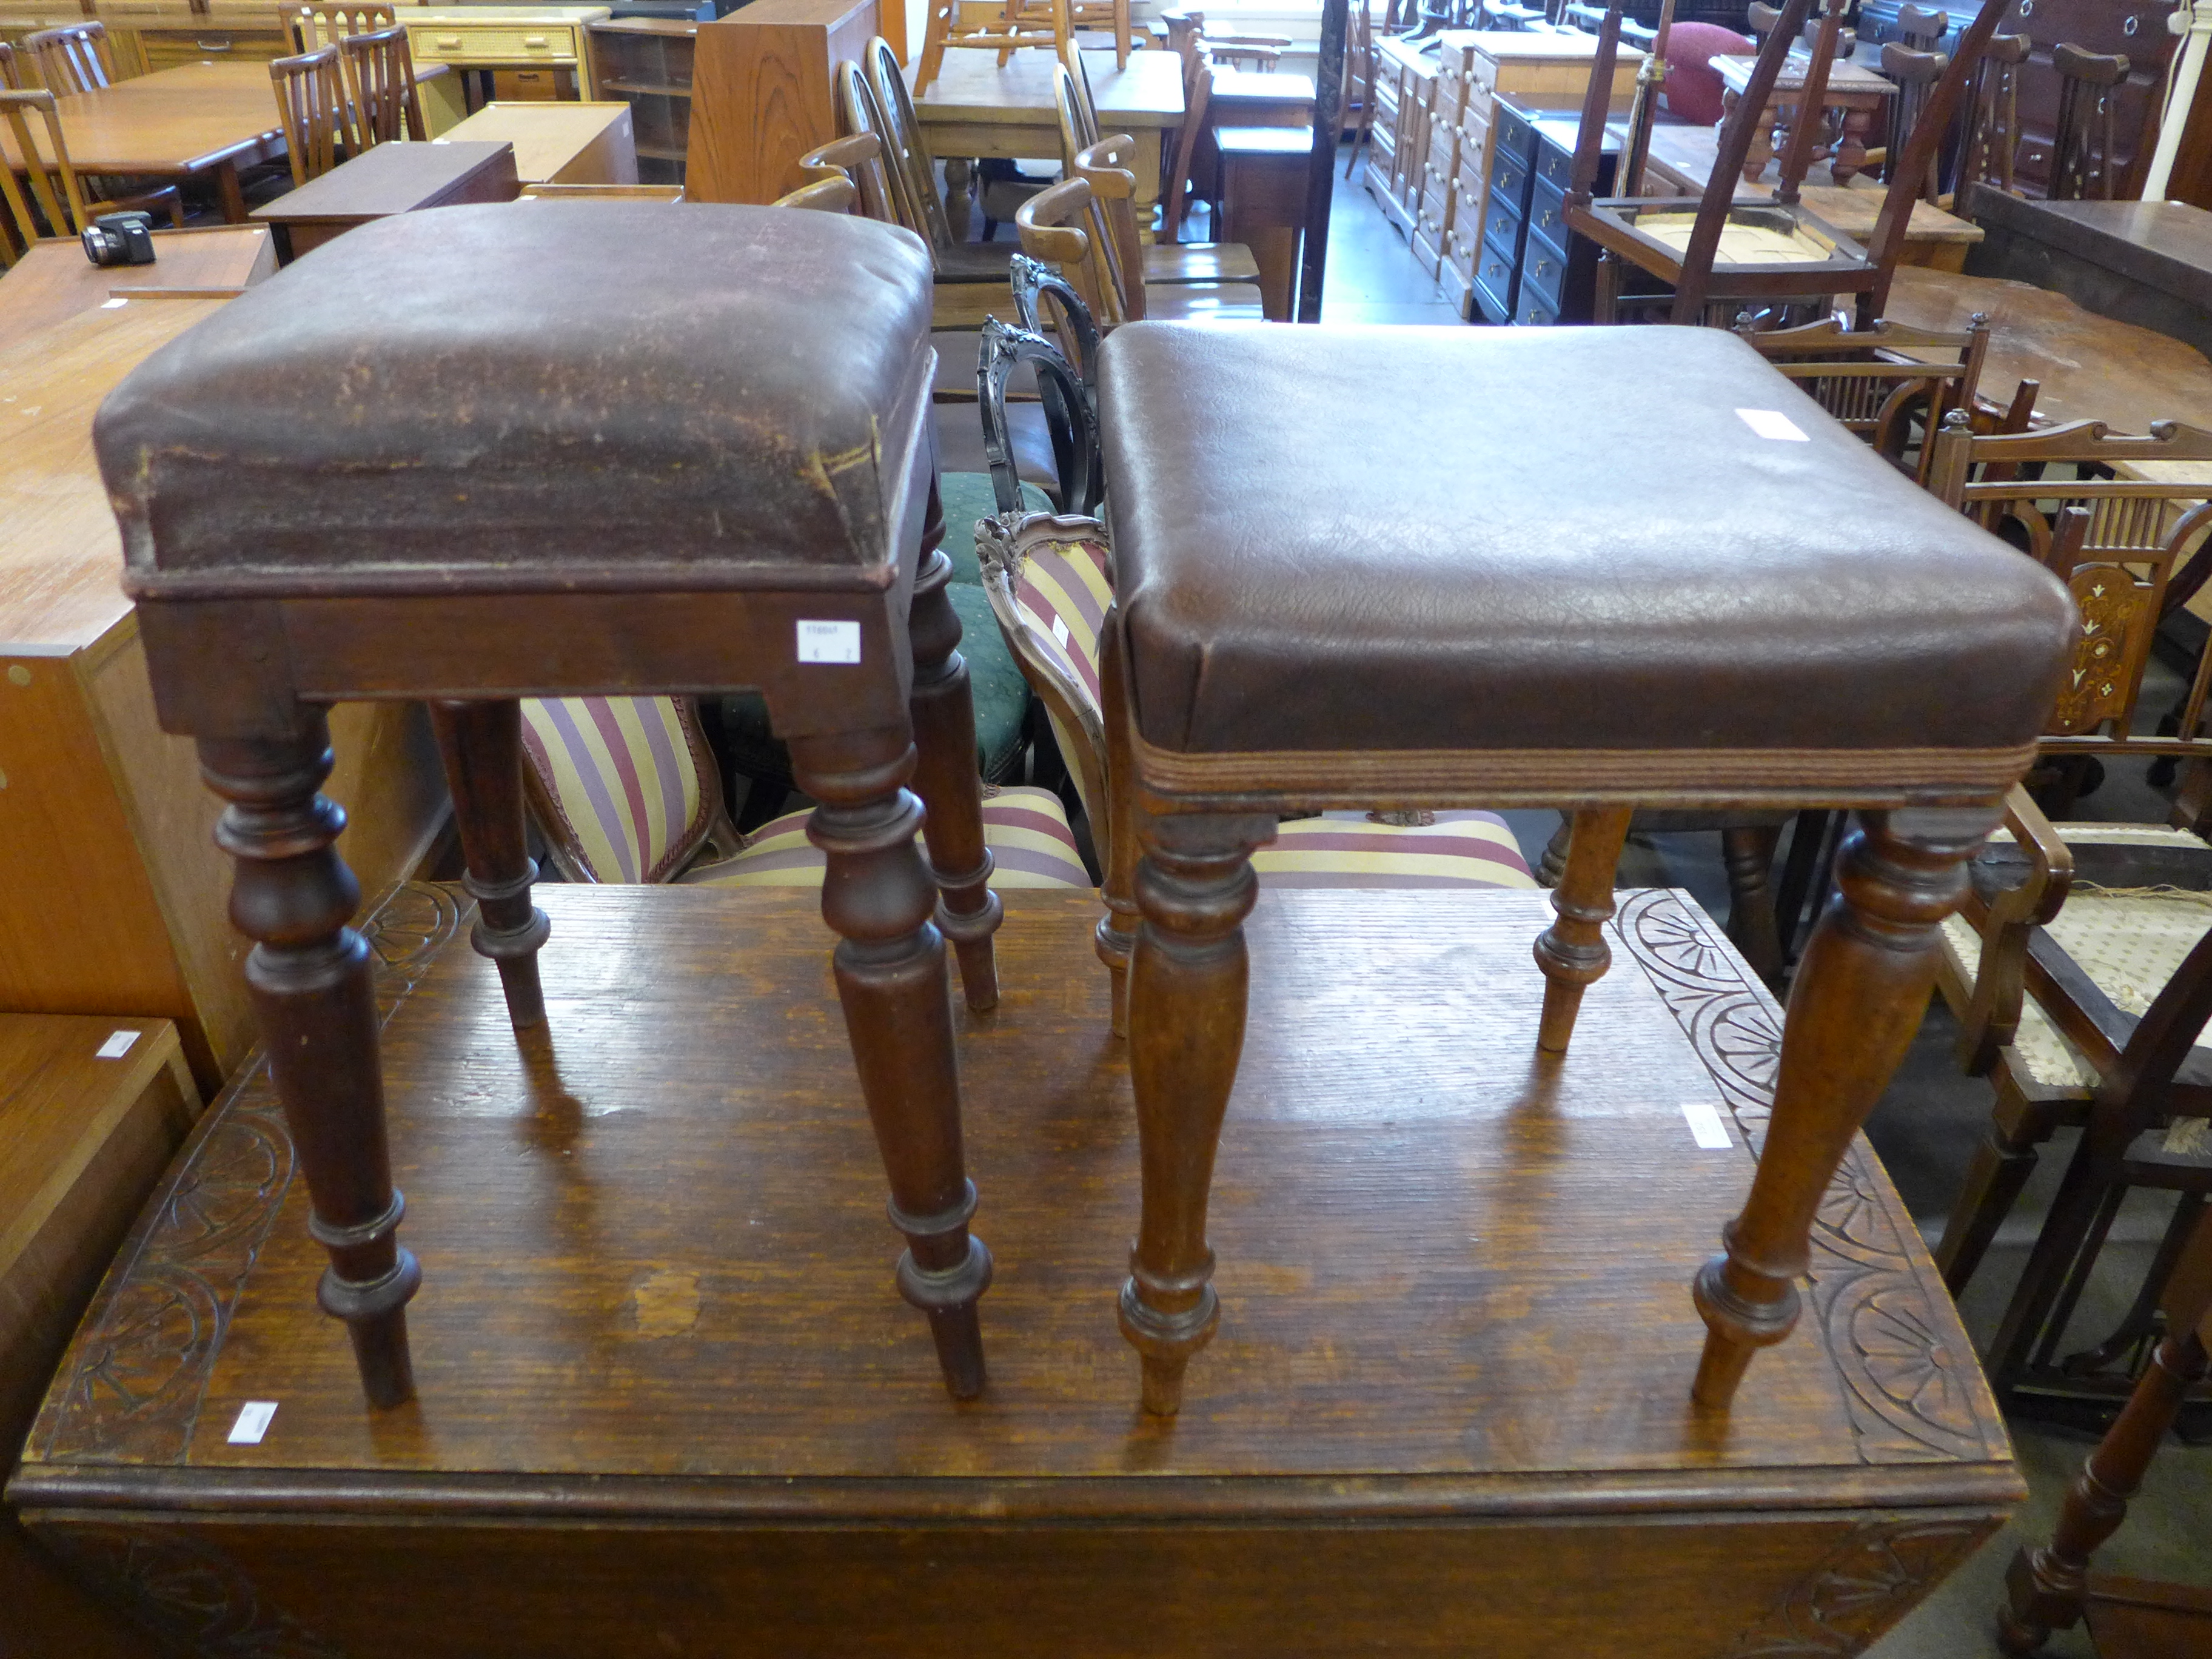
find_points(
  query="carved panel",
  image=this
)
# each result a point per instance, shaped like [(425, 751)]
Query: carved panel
[(1914, 1389), (139, 1366), (186, 1590), (2115, 608), (1879, 1573)]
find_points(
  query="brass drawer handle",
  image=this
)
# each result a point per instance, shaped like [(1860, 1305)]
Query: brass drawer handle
[(449, 42), (213, 45)]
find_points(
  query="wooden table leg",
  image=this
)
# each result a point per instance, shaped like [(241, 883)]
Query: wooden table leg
[(308, 973), (943, 711), (480, 743), (228, 195), (1187, 988), (1572, 951), (1860, 990), (879, 898), (1145, 201), (1850, 144), (959, 198)]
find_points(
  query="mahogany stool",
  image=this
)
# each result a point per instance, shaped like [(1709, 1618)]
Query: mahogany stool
[(1619, 568), (589, 447)]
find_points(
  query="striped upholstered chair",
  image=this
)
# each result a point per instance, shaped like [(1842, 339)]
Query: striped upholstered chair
[(624, 789), (1047, 577)]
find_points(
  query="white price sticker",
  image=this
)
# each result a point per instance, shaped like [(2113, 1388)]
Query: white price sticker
[(118, 1045), (1060, 632), (829, 642), (1706, 1128), (253, 1417), (1773, 424)]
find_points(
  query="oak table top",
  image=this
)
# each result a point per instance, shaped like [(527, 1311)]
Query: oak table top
[(1845, 78), (172, 123), (973, 89), (61, 556), (53, 281)]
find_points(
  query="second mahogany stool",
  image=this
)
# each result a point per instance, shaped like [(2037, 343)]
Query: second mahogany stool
[(587, 447), (1607, 568)]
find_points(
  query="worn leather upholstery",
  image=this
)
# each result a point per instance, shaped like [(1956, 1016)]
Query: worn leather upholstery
[(724, 397), (1357, 539)]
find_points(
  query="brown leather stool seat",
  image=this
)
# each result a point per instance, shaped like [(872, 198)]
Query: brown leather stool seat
[(595, 447), (1597, 568)]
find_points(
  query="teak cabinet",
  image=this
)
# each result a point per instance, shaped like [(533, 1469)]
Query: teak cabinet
[(764, 79), (648, 61)]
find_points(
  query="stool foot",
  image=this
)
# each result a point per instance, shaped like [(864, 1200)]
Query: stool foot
[(892, 980), (1572, 952), (480, 743), (308, 974), (943, 709), (1187, 989), (1860, 992)]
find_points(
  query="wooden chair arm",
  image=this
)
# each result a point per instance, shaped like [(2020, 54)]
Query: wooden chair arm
[(835, 194), (1993, 1009), (1040, 223), (1104, 167), (834, 158)]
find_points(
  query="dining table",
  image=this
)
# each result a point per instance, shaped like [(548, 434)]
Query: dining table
[(203, 120), (978, 107), (53, 281), (1856, 92)]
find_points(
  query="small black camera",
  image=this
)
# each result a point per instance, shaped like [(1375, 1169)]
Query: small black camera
[(120, 238)]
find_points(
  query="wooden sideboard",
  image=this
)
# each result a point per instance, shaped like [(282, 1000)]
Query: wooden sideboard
[(648, 62), (116, 900), (477, 41), (762, 92)]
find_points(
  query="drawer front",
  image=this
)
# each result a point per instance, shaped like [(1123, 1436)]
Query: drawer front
[(1547, 216), (1501, 230), (1482, 75), (1439, 199), (1555, 167), (1474, 145), (1543, 274), (1509, 182), (166, 48), (1493, 288), (1461, 248), (1443, 148), (1428, 241), (1514, 137), (472, 43), (1536, 314)]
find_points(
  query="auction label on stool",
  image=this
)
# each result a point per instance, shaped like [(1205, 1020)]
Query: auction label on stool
[(829, 642)]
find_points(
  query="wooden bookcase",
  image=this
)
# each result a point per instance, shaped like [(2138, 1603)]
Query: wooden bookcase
[(647, 61)]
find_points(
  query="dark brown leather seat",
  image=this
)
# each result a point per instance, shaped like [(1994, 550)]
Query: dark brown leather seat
[(1477, 539), (500, 392)]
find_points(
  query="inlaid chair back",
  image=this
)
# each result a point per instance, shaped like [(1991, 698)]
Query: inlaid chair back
[(380, 77), (2081, 154), (311, 103), (48, 200), (1916, 74), (906, 151), (1876, 381), (73, 59), (858, 160), (2123, 545), (317, 23), (1993, 119)]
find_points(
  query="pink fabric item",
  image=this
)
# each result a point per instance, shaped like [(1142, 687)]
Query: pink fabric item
[(1693, 86)]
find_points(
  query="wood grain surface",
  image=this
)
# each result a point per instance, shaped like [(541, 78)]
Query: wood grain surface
[(54, 281), (669, 1402)]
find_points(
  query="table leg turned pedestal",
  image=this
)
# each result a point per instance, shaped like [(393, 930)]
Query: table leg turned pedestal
[(878, 896), (482, 745), (308, 973), (1858, 997)]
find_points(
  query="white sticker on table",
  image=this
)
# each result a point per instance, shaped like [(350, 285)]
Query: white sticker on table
[(1773, 424), (118, 1045), (252, 1422), (1705, 1126), (829, 642)]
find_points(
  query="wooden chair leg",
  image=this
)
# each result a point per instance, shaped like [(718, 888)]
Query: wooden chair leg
[(480, 743), (1748, 852), (1859, 997), (1554, 864), (1572, 951), (2046, 1589), (1187, 979), (309, 976), (942, 709), (1119, 851), (879, 898), (2001, 1167)]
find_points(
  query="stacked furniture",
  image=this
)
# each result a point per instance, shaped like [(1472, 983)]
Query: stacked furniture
[(1528, 267), (1543, 72)]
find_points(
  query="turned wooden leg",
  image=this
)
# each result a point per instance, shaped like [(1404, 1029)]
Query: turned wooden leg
[(1748, 852), (1859, 997), (959, 177), (308, 974), (1850, 145), (1553, 865), (1572, 951), (481, 746), (943, 711), (878, 896), (1187, 978), (2046, 1589), (1116, 839)]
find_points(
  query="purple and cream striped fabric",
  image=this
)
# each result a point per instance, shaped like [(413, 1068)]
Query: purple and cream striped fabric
[(624, 789), (1350, 849), (1030, 844)]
